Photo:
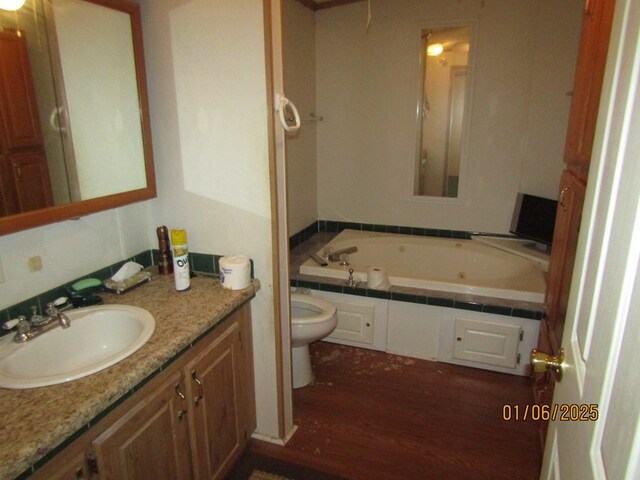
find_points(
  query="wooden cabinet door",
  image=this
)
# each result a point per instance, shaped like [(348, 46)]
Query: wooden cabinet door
[(215, 386), (67, 465), (18, 107), (31, 183), (592, 57), (563, 254), (8, 201), (150, 441)]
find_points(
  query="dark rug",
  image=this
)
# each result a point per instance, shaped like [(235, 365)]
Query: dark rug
[(252, 466)]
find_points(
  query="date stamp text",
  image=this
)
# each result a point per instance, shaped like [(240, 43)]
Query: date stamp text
[(572, 412)]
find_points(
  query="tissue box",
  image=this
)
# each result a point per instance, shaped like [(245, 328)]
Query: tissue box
[(127, 284)]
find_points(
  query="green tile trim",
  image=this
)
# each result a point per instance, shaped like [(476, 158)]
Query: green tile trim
[(336, 227), (420, 299), (200, 263)]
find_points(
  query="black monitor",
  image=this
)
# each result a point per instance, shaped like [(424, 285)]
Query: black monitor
[(534, 218)]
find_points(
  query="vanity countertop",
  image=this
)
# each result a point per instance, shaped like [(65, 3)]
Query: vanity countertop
[(36, 420)]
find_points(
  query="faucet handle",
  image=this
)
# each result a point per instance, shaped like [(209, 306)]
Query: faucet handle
[(9, 324), (52, 307), (36, 318)]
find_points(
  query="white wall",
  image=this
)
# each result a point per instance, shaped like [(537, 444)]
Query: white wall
[(71, 249), (206, 70), (206, 78), (367, 84), (300, 86)]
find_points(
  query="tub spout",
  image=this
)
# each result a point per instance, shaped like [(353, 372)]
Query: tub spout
[(335, 256)]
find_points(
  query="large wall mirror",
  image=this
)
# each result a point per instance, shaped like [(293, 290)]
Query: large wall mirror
[(442, 108), (74, 118)]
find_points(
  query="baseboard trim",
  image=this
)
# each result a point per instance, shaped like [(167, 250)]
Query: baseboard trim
[(276, 441)]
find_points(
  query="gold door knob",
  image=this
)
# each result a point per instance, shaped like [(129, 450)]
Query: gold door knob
[(541, 362)]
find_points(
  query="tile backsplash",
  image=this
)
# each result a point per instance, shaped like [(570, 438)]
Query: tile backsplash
[(201, 263), (337, 227)]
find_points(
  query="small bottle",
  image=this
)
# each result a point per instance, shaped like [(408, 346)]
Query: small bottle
[(165, 263), (180, 259)]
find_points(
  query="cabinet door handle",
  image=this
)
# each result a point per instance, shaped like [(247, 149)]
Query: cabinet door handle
[(562, 194), (198, 397), (183, 411)]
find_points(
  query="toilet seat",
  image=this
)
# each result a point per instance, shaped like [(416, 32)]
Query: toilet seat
[(307, 309)]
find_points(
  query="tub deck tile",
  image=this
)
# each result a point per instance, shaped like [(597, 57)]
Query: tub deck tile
[(473, 306)]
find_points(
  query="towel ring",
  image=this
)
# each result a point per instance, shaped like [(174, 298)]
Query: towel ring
[(281, 104)]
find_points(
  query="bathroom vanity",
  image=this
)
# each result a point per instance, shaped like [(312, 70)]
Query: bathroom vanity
[(182, 406)]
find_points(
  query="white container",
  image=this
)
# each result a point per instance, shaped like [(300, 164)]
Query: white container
[(235, 272)]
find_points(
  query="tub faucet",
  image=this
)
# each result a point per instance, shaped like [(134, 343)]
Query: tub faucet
[(352, 282), (335, 256)]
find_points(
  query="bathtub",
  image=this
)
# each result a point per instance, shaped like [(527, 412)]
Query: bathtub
[(440, 264)]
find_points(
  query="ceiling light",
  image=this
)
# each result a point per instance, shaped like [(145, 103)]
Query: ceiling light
[(11, 4), (434, 49)]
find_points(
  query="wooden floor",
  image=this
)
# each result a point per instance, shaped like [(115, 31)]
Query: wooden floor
[(376, 416)]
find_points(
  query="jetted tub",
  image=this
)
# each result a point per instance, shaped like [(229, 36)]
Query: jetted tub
[(441, 264)]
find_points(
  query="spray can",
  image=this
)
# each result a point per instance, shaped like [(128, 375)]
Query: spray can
[(180, 259)]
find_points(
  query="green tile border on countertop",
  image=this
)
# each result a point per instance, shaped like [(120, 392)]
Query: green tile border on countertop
[(203, 263)]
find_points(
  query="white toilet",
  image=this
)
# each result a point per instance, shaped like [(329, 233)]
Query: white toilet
[(312, 318)]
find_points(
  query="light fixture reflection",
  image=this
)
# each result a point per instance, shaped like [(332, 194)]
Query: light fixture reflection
[(11, 5), (434, 49)]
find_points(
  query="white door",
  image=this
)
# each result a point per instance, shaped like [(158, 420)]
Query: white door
[(599, 395)]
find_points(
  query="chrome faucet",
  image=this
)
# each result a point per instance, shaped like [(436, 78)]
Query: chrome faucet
[(335, 256), (28, 330), (56, 314), (351, 281)]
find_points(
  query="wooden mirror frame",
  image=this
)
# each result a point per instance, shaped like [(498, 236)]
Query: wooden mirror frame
[(73, 210)]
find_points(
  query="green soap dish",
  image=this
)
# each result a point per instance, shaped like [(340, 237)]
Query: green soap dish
[(86, 284)]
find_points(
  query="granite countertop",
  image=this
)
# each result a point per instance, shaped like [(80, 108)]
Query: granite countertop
[(36, 420)]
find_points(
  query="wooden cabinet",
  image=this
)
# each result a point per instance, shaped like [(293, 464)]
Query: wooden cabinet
[(21, 126), (592, 58), (151, 440), (191, 421), (25, 182), (71, 464), (24, 175), (563, 254), (216, 394)]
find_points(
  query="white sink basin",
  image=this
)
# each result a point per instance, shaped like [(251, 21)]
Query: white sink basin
[(98, 337)]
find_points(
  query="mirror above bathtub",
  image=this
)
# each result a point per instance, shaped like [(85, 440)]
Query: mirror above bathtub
[(74, 114), (442, 110)]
